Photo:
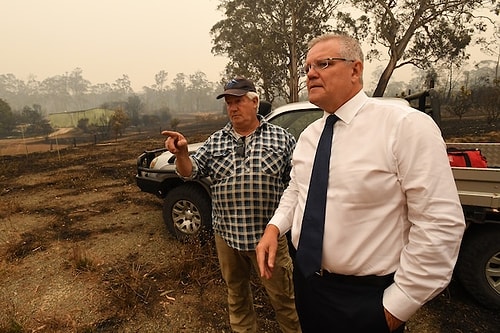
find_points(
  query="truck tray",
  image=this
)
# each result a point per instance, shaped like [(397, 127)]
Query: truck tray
[(478, 186)]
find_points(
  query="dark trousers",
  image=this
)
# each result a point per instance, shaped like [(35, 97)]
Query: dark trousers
[(341, 304)]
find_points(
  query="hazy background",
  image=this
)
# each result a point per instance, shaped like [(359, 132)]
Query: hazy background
[(110, 38)]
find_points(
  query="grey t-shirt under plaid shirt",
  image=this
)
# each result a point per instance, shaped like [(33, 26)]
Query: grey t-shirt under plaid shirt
[(245, 190)]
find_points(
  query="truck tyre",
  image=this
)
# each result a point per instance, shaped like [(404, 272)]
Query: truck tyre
[(478, 266), (187, 213)]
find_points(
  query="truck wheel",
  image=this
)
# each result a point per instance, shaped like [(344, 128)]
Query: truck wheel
[(478, 266), (187, 213)]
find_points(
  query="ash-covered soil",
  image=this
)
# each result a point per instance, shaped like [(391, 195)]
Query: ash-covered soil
[(83, 250)]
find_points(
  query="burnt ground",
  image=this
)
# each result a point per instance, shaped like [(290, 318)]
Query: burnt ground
[(83, 250)]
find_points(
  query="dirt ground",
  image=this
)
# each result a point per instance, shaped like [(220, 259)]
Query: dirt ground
[(83, 250)]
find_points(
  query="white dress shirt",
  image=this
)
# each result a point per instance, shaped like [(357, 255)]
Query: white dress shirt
[(392, 202)]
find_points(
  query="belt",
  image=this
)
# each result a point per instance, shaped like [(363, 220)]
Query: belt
[(358, 280)]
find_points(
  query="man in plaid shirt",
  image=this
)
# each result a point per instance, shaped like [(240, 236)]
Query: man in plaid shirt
[(248, 161)]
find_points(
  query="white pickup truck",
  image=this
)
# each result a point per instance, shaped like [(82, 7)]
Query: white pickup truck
[(478, 266), (187, 205)]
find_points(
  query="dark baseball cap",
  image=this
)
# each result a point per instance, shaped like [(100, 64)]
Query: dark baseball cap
[(238, 87)]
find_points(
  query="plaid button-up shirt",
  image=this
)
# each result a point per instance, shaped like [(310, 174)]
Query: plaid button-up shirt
[(245, 189)]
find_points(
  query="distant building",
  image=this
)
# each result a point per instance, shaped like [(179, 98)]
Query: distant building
[(96, 117)]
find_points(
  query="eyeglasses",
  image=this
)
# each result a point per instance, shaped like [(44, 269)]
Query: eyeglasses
[(321, 64), (240, 147)]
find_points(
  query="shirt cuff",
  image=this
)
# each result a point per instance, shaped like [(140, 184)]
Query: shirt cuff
[(398, 303), (282, 227), (194, 171)]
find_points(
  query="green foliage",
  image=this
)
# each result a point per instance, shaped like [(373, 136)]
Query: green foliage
[(414, 33), (35, 122), (31, 115), (31, 119), (266, 40)]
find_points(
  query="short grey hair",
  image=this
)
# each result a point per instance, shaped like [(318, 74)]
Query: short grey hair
[(349, 46), (252, 95)]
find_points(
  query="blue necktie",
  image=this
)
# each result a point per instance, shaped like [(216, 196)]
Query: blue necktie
[(309, 252)]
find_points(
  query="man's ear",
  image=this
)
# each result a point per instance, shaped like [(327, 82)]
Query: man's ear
[(357, 70), (255, 101)]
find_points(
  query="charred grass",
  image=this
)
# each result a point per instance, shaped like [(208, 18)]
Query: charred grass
[(139, 290), (84, 184), (134, 288)]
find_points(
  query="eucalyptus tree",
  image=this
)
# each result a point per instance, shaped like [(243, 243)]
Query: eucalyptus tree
[(54, 92), (202, 93), (485, 89), (123, 86), (415, 32), (155, 97), (76, 84), (11, 90), (179, 93), (9, 84), (266, 40), (134, 108), (78, 88), (160, 81)]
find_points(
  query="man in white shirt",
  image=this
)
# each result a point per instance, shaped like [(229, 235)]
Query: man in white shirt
[(393, 222)]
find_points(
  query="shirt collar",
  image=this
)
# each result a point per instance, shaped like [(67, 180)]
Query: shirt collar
[(348, 110)]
